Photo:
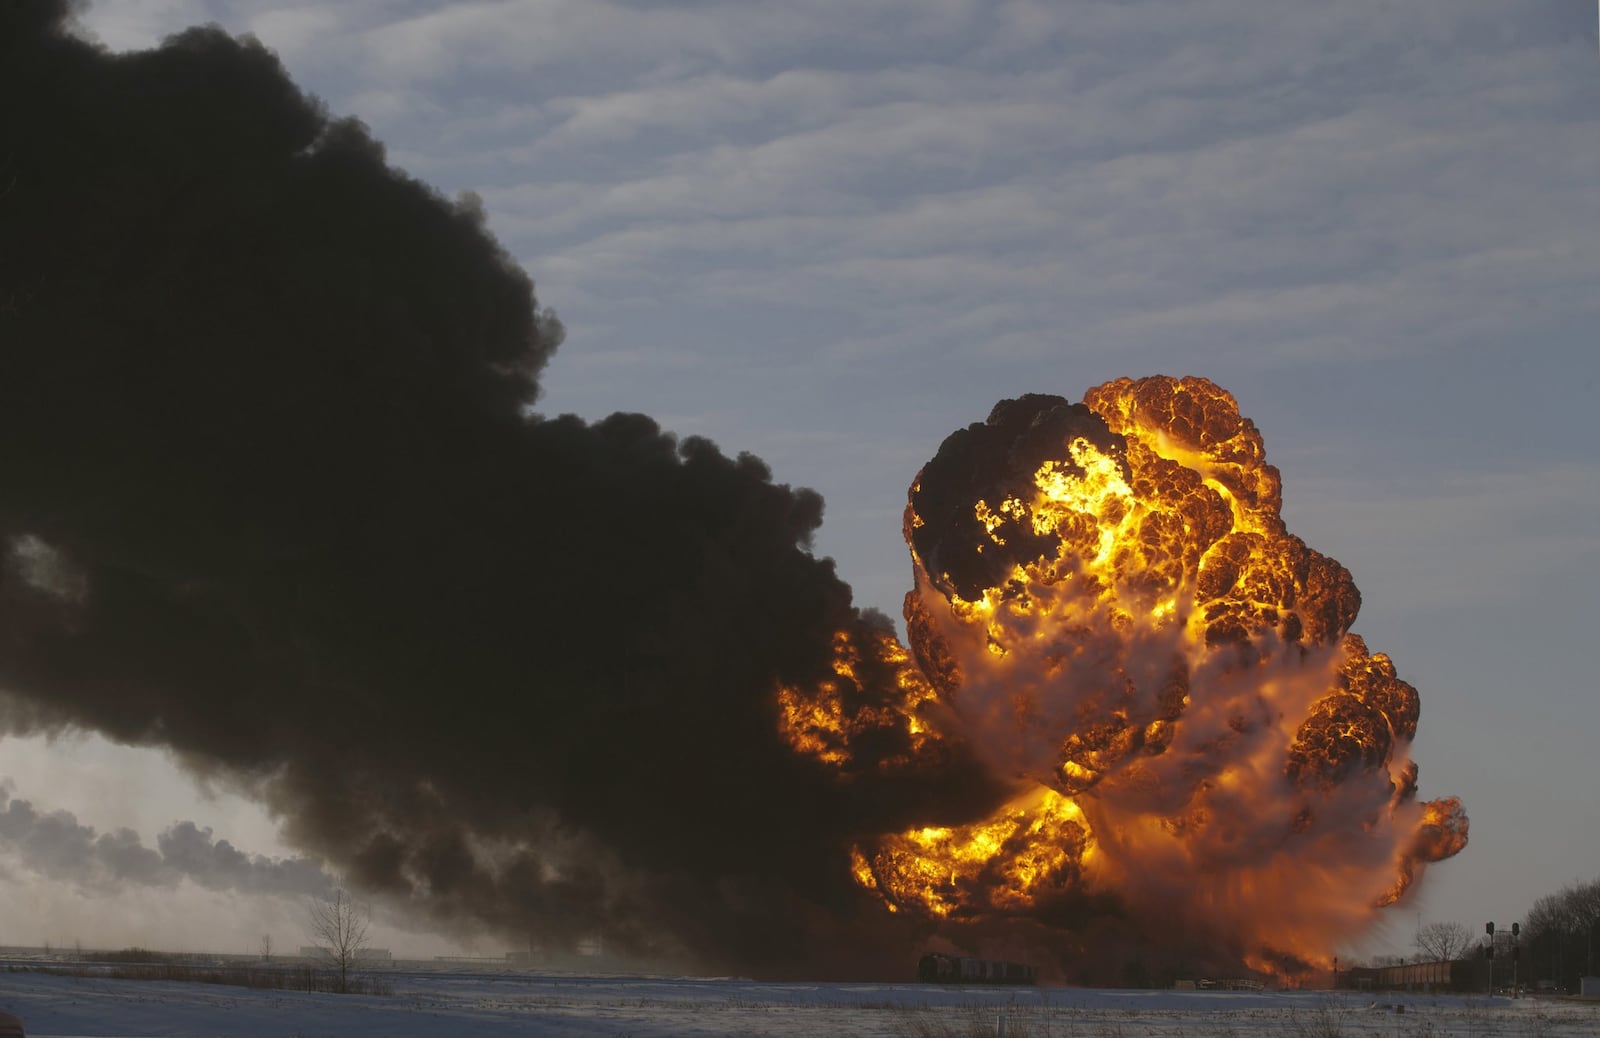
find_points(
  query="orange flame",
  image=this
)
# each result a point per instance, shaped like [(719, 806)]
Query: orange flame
[(1109, 610)]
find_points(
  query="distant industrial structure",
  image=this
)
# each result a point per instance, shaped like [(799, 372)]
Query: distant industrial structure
[(588, 951), (1225, 984), (962, 969), (317, 953)]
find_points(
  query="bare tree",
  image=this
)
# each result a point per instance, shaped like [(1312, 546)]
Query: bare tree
[(1443, 942), (1563, 931), (339, 927), (1585, 901), (266, 947)]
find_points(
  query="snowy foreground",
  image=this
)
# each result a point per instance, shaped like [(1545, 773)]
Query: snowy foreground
[(446, 1004)]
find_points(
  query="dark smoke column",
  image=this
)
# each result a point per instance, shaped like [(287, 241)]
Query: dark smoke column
[(271, 496)]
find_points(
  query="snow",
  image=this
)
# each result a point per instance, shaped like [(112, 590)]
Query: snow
[(435, 1003)]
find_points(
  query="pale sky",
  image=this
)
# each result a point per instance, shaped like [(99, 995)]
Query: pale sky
[(832, 233)]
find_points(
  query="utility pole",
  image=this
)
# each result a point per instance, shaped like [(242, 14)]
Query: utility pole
[(1488, 953), (1516, 953)]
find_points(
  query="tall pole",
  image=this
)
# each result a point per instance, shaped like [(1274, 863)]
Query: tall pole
[(1488, 952)]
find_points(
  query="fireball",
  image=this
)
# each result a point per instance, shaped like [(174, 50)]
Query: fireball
[(1109, 612)]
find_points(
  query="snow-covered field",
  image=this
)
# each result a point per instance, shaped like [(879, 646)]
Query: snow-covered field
[(460, 1004)]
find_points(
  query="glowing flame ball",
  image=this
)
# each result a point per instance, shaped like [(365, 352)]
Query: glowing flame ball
[(1109, 612)]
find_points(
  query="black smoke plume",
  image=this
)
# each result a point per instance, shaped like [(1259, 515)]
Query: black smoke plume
[(271, 495)]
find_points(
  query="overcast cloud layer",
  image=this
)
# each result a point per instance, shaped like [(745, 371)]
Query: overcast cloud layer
[(833, 233)]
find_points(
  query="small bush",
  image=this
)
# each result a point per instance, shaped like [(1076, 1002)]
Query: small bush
[(1324, 1020)]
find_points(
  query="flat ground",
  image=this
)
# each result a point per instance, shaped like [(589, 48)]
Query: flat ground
[(442, 1003)]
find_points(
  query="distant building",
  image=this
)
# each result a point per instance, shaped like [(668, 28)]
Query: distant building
[(317, 953), (545, 954)]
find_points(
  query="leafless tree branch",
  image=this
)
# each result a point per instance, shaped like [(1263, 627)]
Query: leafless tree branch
[(339, 926), (1443, 942)]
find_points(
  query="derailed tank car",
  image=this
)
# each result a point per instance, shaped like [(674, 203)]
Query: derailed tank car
[(934, 968)]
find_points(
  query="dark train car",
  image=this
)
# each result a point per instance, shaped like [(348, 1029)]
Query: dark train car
[(961, 969)]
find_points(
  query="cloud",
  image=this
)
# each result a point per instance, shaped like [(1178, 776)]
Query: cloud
[(1516, 527), (1149, 174), (1161, 201), (54, 844)]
